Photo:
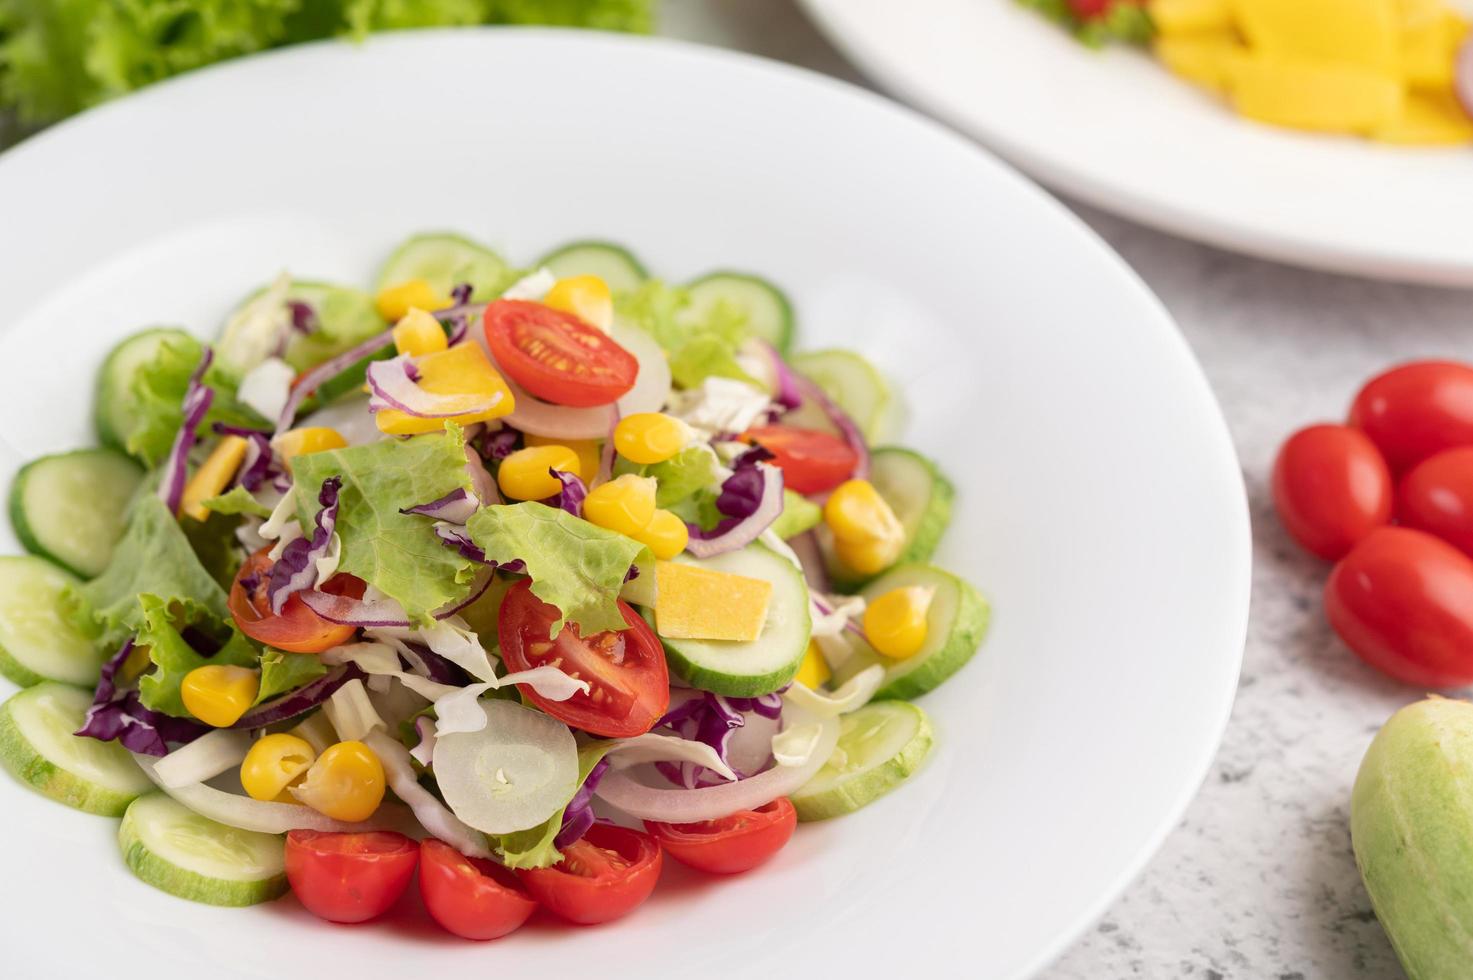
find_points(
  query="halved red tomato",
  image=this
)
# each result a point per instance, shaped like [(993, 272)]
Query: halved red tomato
[(349, 877), (296, 628), (737, 842), (471, 897), (607, 874), (811, 461), (629, 684), (556, 356)]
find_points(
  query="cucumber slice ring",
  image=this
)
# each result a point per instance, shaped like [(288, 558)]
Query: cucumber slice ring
[(769, 314), (115, 415), (614, 264), (445, 260), (955, 626), (178, 851), (71, 507), (880, 746), (37, 640), (37, 746)]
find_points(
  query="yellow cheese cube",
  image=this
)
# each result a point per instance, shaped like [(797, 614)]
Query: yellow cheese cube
[(1174, 17), (694, 603), (1362, 33), (1206, 59), (1428, 120), (1317, 96), (462, 370)]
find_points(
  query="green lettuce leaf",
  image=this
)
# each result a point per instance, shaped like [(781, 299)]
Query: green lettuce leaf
[(158, 394), (574, 565), (698, 348), (534, 847), (396, 553), (687, 472), (799, 514), (282, 671), (706, 356), (154, 558), (238, 501), (172, 656)]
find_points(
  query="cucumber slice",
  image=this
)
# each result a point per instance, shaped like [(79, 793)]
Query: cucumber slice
[(880, 745), (38, 747), (116, 412), (445, 260), (38, 640), (768, 312), (71, 507), (955, 626), (614, 264), (178, 851), (920, 496), (747, 669), (854, 384)]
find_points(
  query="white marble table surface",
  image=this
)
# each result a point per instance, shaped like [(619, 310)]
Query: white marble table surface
[(1258, 881)]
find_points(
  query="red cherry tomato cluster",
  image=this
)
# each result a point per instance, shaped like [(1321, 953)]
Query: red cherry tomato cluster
[(1389, 498), (354, 877)]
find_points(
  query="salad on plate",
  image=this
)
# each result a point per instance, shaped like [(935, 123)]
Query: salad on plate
[(510, 582)]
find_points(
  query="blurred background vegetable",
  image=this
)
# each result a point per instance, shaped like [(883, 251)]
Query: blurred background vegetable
[(58, 57)]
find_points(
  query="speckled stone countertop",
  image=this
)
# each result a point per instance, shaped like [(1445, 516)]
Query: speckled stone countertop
[(1258, 881)]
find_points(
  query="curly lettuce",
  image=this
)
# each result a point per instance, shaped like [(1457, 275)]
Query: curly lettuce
[(169, 635), (699, 347)]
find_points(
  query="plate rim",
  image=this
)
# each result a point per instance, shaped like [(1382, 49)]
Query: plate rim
[(1237, 585)]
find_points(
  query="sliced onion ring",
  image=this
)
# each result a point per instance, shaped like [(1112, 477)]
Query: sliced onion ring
[(624, 791), (393, 386)]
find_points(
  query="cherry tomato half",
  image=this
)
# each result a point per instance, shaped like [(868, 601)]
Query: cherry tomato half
[(1437, 497), (734, 843), (629, 684), (471, 897), (1416, 410), (1331, 488), (811, 461), (1403, 601), (606, 875), (556, 356), (349, 877), (297, 628)]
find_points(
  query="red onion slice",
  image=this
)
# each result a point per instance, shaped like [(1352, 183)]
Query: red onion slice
[(749, 528), (197, 399), (625, 791), (392, 383), (326, 371), (457, 506)]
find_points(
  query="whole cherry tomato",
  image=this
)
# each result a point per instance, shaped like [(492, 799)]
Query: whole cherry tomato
[(471, 897), (1416, 410), (1403, 601), (349, 877), (1331, 488), (734, 843), (1437, 497)]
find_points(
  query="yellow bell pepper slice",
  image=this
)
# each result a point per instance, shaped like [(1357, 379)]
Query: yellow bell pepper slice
[(463, 370)]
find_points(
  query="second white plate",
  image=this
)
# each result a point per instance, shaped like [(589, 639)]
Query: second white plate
[(1114, 129)]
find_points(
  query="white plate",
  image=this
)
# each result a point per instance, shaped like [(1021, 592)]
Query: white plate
[(1100, 504), (1114, 129)]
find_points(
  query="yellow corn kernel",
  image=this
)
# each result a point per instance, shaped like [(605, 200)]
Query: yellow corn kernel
[(464, 370), (586, 297), (650, 437), (814, 671), (870, 556), (218, 694), (273, 763), (666, 535), (345, 783), (895, 622), (586, 449), (419, 333), (212, 476), (305, 441), (625, 504), (856, 513), (396, 300), (524, 474)]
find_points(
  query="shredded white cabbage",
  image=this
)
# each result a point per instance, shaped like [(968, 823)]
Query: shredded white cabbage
[(204, 758), (532, 286), (432, 814), (316, 730), (267, 386), (460, 711), (382, 660), (854, 694), (795, 745), (451, 638), (719, 405), (281, 526), (651, 747), (351, 712), (254, 332)]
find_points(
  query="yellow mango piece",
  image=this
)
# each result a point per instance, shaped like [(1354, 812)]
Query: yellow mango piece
[(1203, 59), (694, 603), (1317, 96), (1176, 17), (1428, 120), (462, 370), (1361, 33)]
